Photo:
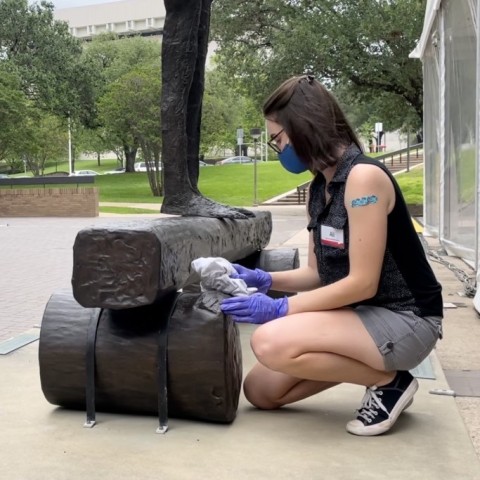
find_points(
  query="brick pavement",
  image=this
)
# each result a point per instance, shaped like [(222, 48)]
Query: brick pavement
[(35, 260)]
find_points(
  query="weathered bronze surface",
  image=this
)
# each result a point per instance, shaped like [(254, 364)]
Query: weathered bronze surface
[(204, 357), (184, 52), (130, 264)]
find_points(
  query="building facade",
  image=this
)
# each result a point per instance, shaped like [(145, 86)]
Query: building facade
[(124, 18)]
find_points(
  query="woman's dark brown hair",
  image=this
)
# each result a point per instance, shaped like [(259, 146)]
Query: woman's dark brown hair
[(312, 119)]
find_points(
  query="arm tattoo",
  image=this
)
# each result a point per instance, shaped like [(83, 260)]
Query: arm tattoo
[(362, 201)]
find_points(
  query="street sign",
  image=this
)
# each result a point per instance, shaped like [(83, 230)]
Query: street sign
[(239, 136)]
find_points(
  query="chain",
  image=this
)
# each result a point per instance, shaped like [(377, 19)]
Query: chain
[(469, 284)]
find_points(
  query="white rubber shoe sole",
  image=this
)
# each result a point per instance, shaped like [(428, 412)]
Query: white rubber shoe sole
[(356, 427)]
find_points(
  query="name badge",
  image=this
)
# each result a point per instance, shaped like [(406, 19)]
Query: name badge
[(333, 237)]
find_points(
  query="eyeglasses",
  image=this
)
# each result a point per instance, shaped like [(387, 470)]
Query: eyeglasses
[(272, 143)]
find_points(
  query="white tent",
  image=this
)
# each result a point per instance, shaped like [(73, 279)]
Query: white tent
[(449, 50)]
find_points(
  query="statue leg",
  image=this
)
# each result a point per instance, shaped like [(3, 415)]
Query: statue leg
[(179, 51), (184, 51), (195, 98)]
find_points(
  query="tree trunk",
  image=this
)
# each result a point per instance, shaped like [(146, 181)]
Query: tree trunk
[(130, 155), (74, 151), (151, 156)]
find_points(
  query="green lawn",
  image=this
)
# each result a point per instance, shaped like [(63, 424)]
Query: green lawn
[(230, 184), (411, 184), (129, 210)]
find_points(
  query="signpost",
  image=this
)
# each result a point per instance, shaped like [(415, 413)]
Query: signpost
[(240, 140), (379, 132)]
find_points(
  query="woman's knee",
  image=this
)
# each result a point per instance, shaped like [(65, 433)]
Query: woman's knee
[(257, 395), (266, 347)]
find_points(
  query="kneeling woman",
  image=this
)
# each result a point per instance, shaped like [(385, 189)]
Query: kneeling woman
[(369, 307)]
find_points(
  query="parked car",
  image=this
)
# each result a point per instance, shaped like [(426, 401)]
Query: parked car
[(80, 173), (113, 172), (237, 159), (142, 166)]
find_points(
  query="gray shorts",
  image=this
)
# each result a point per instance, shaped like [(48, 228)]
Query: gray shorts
[(403, 339)]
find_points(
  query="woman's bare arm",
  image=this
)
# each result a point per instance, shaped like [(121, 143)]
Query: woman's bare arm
[(367, 243)]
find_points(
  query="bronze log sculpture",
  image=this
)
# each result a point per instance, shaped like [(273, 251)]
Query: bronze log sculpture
[(184, 53), (125, 339), (204, 357), (131, 264)]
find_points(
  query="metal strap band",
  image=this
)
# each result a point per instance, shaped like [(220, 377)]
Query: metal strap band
[(162, 370), (162, 379), (95, 314)]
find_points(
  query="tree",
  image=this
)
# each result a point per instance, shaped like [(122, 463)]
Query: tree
[(115, 59), (359, 46), (224, 110), (46, 58), (13, 109), (94, 141), (44, 138), (131, 109), (28, 135)]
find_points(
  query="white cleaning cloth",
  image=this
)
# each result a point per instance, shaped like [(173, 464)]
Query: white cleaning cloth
[(214, 275)]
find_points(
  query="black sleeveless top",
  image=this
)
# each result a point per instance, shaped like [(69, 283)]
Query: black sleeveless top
[(407, 281)]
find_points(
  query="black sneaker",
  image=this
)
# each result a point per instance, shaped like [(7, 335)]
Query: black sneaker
[(381, 406)]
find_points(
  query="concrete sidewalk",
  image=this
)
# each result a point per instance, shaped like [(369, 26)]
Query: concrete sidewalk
[(305, 441)]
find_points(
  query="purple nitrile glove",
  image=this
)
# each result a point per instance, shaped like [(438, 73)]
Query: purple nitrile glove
[(253, 278), (256, 308)]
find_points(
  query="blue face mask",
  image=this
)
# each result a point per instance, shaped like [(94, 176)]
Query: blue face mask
[(290, 161)]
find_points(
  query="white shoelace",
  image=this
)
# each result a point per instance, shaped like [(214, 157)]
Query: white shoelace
[(371, 402)]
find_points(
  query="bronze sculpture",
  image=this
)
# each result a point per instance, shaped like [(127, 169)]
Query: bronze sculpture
[(125, 338), (184, 53)]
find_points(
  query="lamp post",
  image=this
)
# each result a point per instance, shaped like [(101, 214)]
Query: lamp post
[(70, 166), (255, 134)]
